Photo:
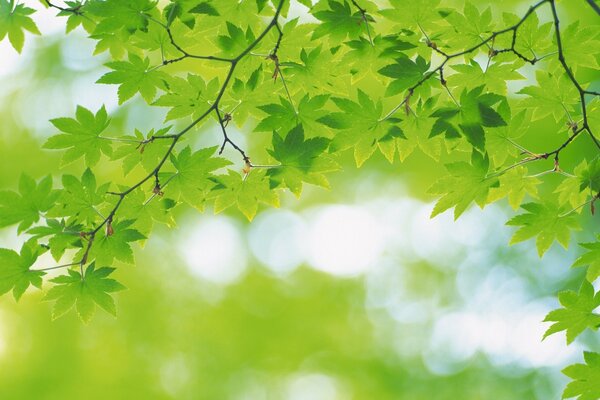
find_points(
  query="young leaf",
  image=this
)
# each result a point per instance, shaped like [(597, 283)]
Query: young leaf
[(301, 161), (81, 137), (467, 183), (586, 382), (25, 207), (80, 198), (577, 312), (129, 15), (61, 235), (133, 77), (15, 272), (194, 177), (14, 21), (246, 193), (84, 292), (547, 221), (591, 259), (189, 96), (339, 21), (115, 243), (405, 73)]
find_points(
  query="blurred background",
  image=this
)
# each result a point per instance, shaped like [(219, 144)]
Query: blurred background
[(352, 293)]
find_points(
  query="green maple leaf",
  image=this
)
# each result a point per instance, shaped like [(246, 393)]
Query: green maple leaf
[(338, 22), (404, 72), (476, 113), (235, 41), (116, 15), (581, 45), (191, 96), (283, 117), (84, 292), (554, 94), (133, 77), (62, 236), (74, 19), (25, 207), (81, 136), (467, 183), (494, 78), (80, 198), (515, 184), (570, 189), (586, 378), (204, 8), (412, 14), (301, 161), (589, 176), (245, 193), (533, 38), (361, 129), (591, 258), (117, 43), (147, 154), (470, 26), (548, 221), (194, 177), (145, 211), (115, 243), (363, 57), (245, 95), (500, 142), (577, 312), (14, 21), (316, 70), (419, 132), (15, 272)]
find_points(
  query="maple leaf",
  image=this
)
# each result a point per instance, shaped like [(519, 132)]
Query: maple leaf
[(194, 177), (469, 26), (476, 113), (235, 41), (581, 45), (284, 116), (338, 22), (361, 129), (245, 193), (61, 236), (467, 183), (114, 244), (414, 13), (81, 137), (80, 198), (577, 312), (145, 151), (133, 77), (553, 94), (117, 15), (14, 21), (591, 259), (494, 78), (548, 221), (189, 96), (301, 161), (404, 72), (586, 384), (145, 211), (15, 272), (84, 292), (25, 207), (570, 191)]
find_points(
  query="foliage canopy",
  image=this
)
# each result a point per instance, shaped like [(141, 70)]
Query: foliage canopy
[(444, 86)]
